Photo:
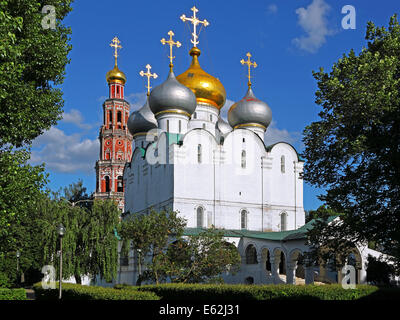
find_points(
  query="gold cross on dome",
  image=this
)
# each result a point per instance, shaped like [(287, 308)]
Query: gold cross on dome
[(149, 75), (115, 43), (195, 21), (249, 65), (171, 43)]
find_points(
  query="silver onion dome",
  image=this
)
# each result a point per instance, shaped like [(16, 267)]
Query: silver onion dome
[(142, 120), (250, 111), (223, 126), (171, 96)]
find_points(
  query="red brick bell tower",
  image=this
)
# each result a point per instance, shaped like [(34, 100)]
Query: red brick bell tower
[(115, 139)]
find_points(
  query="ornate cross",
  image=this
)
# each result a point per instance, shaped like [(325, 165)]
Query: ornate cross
[(149, 75), (115, 43), (195, 21), (249, 65), (171, 43)]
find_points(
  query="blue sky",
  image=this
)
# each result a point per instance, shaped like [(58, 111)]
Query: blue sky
[(287, 38)]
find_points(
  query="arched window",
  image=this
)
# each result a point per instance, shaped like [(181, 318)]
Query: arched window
[(204, 126), (200, 216), (167, 125), (243, 219), (195, 115), (199, 153), (283, 221), (110, 118), (283, 164), (243, 162), (107, 178), (119, 116), (251, 254), (120, 185), (180, 126), (210, 117)]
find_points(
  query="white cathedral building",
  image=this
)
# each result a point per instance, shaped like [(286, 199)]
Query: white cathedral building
[(187, 158)]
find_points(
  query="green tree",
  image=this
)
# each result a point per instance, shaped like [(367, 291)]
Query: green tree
[(353, 151), (159, 236), (90, 246), (32, 66), (201, 258), (151, 234)]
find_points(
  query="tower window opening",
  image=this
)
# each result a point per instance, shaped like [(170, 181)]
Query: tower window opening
[(119, 116), (110, 119), (117, 89), (120, 185), (107, 178)]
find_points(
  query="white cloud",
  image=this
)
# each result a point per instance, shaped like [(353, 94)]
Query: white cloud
[(272, 9), (75, 117), (314, 23), (274, 135), (65, 153)]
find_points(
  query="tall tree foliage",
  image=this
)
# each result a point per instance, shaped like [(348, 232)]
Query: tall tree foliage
[(353, 151), (32, 66)]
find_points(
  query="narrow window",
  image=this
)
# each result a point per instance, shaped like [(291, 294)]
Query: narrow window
[(110, 117), (200, 212), (283, 221), (243, 219), (180, 126), (167, 125), (283, 164), (107, 184), (118, 90), (210, 117), (243, 162), (204, 126), (119, 116), (199, 153), (195, 115)]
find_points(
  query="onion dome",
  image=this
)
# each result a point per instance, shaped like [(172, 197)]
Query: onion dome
[(142, 120), (172, 97), (223, 126), (206, 88), (250, 112), (115, 75)]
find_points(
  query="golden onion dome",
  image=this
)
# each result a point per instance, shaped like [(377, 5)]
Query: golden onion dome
[(116, 75), (206, 88)]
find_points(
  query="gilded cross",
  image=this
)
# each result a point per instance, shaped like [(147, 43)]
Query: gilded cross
[(149, 75), (195, 21), (249, 65), (115, 43), (171, 43)]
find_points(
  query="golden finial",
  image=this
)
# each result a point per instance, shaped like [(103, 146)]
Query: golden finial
[(149, 75), (195, 21), (115, 43), (249, 64), (171, 43)]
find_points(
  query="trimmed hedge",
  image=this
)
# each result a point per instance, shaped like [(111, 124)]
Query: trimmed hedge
[(203, 292), (12, 294), (79, 292)]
